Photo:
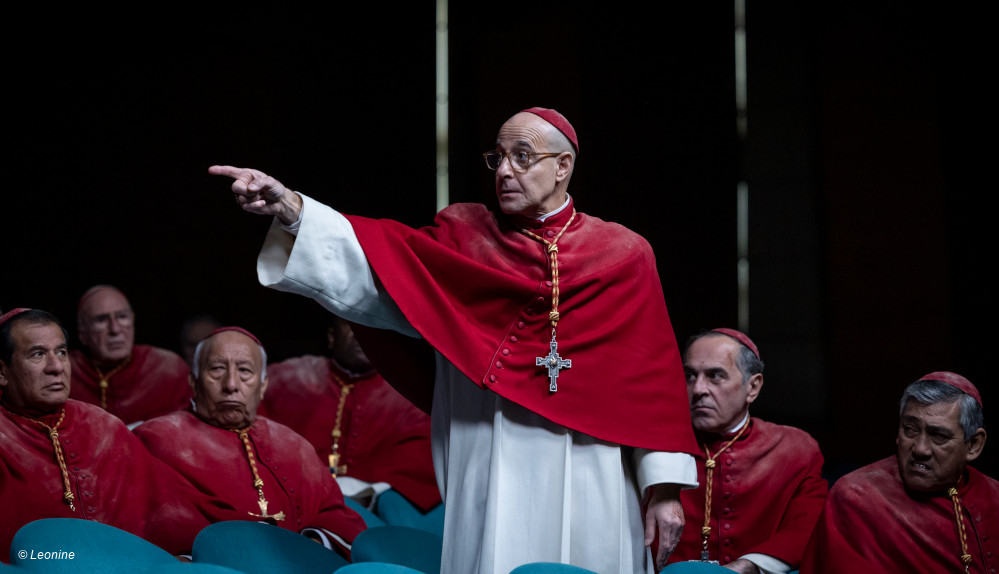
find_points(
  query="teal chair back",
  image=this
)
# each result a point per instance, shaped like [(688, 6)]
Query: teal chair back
[(95, 547), (376, 568), (259, 548), (195, 568), (694, 568), (395, 510), (549, 568), (370, 518), (412, 547)]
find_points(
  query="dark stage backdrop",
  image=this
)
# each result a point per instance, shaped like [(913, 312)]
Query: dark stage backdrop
[(869, 243)]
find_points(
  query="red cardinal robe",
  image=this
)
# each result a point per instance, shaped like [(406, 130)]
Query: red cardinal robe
[(480, 292), (384, 437), (215, 461), (113, 478), (153, 383), (872, 524), (767, 493)]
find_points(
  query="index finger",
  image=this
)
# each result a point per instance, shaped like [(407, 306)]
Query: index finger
[(233, 172), (242, 177)]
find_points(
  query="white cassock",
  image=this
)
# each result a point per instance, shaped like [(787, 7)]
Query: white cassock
[(517, 488)]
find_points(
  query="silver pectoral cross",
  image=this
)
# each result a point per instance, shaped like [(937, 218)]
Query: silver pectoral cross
[(554, 363)]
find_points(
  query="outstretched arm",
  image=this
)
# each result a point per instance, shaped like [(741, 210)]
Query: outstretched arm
[(257, 192)]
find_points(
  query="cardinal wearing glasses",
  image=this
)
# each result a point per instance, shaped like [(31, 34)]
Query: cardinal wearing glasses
[(540, 338)]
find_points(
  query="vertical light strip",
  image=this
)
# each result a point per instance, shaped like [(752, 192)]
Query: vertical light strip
[(741, 88), (742, 187), (443, 192), (742, 239)]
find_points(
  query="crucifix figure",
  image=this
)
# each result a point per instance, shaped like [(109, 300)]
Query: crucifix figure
[(554, 363), (335, 467), (262, 502)]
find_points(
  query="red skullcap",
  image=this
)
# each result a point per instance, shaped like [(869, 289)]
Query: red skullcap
[(957, 381), (739, 336), (12, 313), (558, 120), (238, 330)]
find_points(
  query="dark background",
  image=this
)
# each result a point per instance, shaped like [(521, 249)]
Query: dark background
[(869, 162)]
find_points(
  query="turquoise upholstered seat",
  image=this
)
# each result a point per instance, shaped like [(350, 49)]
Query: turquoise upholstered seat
[(370, 518), (195, 568), (95, 547), (694, 568), (395, 510), (412, 547), (376, 568), (256, 547), (549, 568)]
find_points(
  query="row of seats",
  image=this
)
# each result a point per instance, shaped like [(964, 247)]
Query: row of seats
[(380, 545), (63, 545), (391, 508), (243, 547)]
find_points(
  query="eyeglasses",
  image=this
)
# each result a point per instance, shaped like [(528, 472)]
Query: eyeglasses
[(519, 160), (103, 322)]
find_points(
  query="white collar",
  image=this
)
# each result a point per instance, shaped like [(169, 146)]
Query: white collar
[(741, 424), (557, 211)]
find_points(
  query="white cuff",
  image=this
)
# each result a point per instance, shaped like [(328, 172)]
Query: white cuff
[(658, 467)]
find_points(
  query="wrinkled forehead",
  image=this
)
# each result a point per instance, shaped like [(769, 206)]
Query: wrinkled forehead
[(524, 130), (944, 414), (28, 334), (713, 348), (231, 345)]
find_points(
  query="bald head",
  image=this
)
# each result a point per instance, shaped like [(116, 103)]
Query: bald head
[(553, 137)]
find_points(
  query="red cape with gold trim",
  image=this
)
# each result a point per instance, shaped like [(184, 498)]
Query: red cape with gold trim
[(872, 523), (479, 292), (114, 479), (384, 437), (153, 383)]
